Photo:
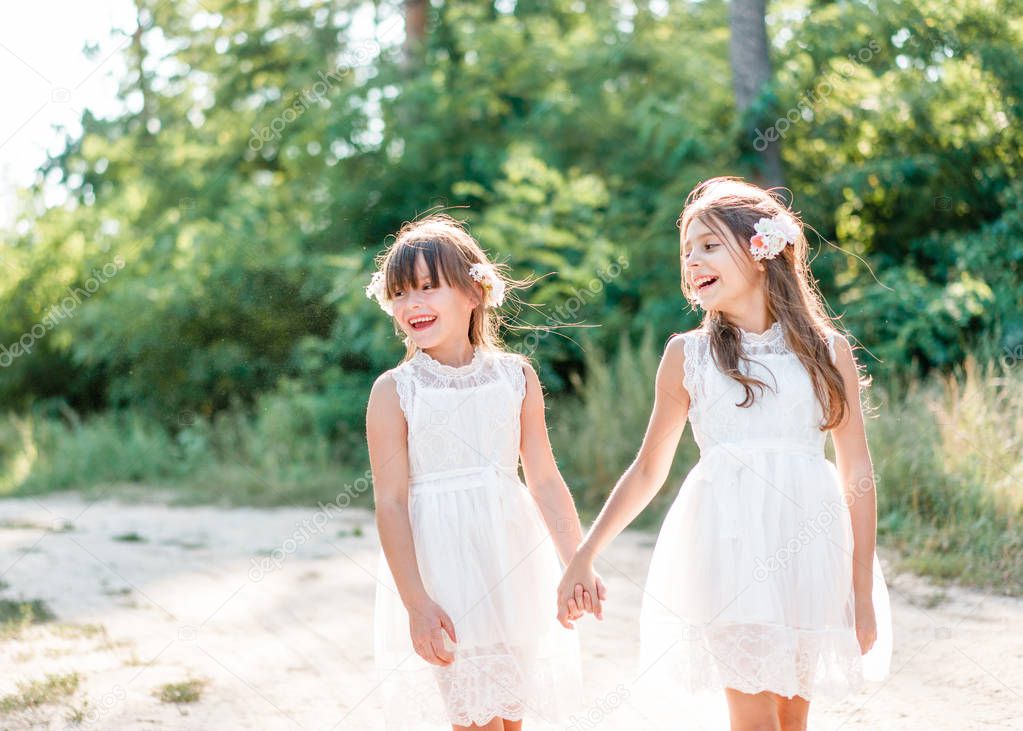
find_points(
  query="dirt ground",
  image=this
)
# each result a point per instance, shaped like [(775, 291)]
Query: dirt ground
[(267, 613)]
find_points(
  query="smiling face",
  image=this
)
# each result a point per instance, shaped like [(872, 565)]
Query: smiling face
[(429, 310), (718, 274)]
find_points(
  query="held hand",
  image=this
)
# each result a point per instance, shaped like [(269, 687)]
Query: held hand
[(866, 624), (584, 600), (581, 590), (427, 625)]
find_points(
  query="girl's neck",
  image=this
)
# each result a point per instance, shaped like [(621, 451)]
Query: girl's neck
[(757, 326), (456, 354), (753, 319)]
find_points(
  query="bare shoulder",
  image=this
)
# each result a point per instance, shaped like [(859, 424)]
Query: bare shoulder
[(841, 346), (671, 373), (841, 341), (383, 397), (385, 383), (845, 359), (675, 349)]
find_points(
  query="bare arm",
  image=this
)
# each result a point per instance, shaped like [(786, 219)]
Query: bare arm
[(856, 472), (387, 438), (642, 479), (649, 470), (543, 478)]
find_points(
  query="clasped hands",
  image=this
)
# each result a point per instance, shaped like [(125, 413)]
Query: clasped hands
[(581, 590)]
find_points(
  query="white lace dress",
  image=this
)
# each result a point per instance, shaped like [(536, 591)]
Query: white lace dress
[(750, 583), (485, 556)]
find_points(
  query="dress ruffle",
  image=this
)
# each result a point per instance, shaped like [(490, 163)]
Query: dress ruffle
[(750, 583)]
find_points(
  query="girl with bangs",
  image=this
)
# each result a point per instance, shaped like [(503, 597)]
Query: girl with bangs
[(466, 627)]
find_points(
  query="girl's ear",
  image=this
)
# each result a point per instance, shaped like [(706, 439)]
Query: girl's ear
[(476, 296)]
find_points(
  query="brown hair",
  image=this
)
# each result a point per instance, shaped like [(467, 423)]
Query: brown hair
[(449, 250), (732, 205)]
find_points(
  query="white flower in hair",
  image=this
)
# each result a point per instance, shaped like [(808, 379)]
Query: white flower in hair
[(377, 289), (772, 234), (487, 276)]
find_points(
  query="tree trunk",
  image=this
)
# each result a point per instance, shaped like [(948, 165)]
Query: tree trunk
[(751, 70), (138, 58), (415, 29)]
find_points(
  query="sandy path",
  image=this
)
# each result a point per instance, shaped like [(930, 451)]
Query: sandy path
[(290, 647)]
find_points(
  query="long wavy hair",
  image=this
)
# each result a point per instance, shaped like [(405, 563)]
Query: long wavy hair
[(732, 206), (449, 250)]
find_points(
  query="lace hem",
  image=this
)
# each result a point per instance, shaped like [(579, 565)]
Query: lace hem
[(474, 690), (753, 658)]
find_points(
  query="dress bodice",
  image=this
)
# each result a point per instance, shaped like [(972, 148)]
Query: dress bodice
[(461, 419), (787, 412)]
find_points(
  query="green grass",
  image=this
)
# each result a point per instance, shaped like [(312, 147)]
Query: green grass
[(34, 693), (188, 691), (78, 631), (17, 615), (130, 537)]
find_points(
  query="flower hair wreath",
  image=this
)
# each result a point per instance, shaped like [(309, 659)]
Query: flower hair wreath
[(772, 235), (487, 277), (484, 274)]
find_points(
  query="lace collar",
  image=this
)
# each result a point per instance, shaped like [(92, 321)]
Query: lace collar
[(431, 365), (770, 335)]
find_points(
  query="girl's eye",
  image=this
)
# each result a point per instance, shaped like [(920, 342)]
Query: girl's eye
[(709, 245), (398, 293)]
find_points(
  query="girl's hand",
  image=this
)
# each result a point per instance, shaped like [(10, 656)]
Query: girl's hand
[(866, 624), (427, 623), (581, 589)]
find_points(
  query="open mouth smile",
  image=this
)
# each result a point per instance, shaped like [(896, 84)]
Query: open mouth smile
[(703, 283), (421, 322)]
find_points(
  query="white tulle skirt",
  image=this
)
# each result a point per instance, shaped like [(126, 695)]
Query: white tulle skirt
[(750, 583), (487, 558)]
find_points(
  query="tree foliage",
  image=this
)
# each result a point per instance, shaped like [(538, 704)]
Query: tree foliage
[(266, 151)]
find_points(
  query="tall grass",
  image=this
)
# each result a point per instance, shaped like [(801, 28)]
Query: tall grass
[(284, 451), (947, 453), (597, 433)]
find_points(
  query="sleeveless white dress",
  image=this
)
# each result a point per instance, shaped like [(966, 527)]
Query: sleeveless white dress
[(750, 582), (485, 556)]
